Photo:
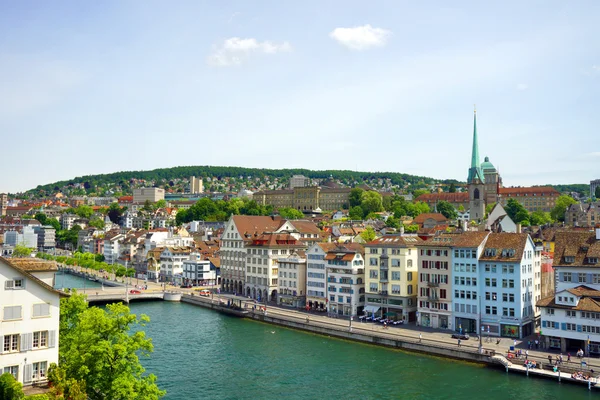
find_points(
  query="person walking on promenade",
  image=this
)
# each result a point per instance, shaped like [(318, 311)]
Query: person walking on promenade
[(458, 342), (550, 359), (568, 357), (420, 337), (529, 344), (560, 358), (526, 354), (536, 344)]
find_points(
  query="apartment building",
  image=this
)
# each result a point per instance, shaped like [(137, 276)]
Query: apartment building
[(198, 272), (151, 194), (316, 280), (510, 271), (391, 277), (46, 238), (571, 317), (3, 204), (239, 231), (292, 280), (466, 250), (345, 273), (171, 263), (262, 264), (435, 283), (29, 319)]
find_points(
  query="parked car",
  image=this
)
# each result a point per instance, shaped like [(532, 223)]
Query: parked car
[(134, 291), (205, 293), (186, 286), (461, 336)]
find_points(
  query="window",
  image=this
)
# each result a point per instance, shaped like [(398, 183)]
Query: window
[(494, 310), (396, 275), (409, 276), (372, 261), (442, 293), (493, 282), (373, 273), (567, 277), (395, 289), (40, 339), (13, 370), (571, 327), (550, 311), (582, 278), (41, 310), (11, 343), (373, 287), (14, 284), (39, 370), (395, 262), (12, 312), (571, 313)]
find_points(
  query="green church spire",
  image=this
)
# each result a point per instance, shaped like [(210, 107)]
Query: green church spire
[(475, 170)]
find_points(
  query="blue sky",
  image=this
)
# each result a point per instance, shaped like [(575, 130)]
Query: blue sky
[(97, 87)]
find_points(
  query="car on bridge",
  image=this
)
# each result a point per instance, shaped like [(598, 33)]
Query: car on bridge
[(135, 291)]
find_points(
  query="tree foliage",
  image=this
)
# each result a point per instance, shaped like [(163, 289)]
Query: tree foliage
[(370, 202), (206, 209), (356, 213), (355, 197), (368, 234), (561, 205), (10, 388), (22, 251), (99, 352), (516, 211), (290, 213), (115, 212), (447, 209)]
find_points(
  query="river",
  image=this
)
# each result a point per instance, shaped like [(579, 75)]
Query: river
[(201, 354)]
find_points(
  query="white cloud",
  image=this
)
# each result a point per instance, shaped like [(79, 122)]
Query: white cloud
[(522, 86), (361, 37), (596, 68), (235, 50)]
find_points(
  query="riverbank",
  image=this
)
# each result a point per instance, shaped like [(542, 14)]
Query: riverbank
[(392, 337)]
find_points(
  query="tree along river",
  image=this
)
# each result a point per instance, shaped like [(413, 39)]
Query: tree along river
[(201, 354)]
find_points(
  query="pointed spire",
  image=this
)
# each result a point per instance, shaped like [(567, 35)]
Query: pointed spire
[(475, 153), (475, 170)]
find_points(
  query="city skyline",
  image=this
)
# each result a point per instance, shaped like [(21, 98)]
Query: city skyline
[(109, 87)]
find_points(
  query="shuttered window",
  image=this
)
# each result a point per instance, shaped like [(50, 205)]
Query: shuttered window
[(12, 312), (41, 310)]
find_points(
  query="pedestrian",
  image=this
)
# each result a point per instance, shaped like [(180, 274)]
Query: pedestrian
[(557, 359), (560, 358), (550, 359), (458, 342), (529, 344), (526, 354), (568, 357), (536, 344), (515, 342), (420, 337)]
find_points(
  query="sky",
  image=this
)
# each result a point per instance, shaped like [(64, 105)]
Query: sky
[(98, 87)]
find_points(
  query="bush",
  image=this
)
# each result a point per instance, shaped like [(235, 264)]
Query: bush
[(10, 388)]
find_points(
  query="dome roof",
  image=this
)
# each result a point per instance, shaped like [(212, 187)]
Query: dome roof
[(487, 166)]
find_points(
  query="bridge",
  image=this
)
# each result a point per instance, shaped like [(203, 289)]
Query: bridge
[(116, 295)]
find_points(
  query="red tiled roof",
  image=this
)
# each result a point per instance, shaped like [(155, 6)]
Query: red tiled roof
[(459, 197), (419, 219), (512, 191)]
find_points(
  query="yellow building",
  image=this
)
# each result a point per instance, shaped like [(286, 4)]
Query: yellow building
[(308, 198), (391, 277)]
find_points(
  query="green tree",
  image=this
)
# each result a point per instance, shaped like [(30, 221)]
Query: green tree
[(84, 211), (290, 213), (22, 251), (356, 213), (392, 223), (160, 204), (418, 192), (41, 217), (452, 188), (411, 228), (540, 218), (513, 208), (99, 351), (489, 208), (148, 206), (96, 223), (447, 209), (115, 212), (368, 234), (561, 205), (521, 217), (63, 387), (53, 222), (355, 197), (371, 201), (10, 388)]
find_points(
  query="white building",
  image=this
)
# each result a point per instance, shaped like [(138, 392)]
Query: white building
[(316, 278), (67, 220), (571, 317), (196, 185), (197, 272), (262, 263), (239, 231), (346, 280), (112, 241), (292, 280), (29, 318), (299, 181), (171, 263), (510, 284), (151, 194)]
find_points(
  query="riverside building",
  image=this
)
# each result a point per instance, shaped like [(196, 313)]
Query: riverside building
[(391, 277)]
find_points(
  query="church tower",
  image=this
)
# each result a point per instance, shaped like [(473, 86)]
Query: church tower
[(476, 181)]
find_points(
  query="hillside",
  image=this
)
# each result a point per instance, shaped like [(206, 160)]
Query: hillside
[(223, 179)]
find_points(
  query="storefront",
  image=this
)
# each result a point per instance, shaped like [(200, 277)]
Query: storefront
[(425, 319), (466, 324), (511, 331)]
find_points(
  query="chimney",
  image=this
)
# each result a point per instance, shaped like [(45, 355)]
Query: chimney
[(597, 233), (518, 228), (401, 229), (464, 225)]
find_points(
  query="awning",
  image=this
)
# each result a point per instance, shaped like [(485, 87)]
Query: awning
[(371, 309)]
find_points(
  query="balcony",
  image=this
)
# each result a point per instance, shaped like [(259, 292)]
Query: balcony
[(433, 297), (433, 284), (383, 267), (383, 292), (383, 279)]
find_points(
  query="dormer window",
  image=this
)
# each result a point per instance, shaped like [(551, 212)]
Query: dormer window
[(592, 260), (569, 259)]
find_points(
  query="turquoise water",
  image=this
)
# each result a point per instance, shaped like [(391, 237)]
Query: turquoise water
[(201, 354), (62, 280)]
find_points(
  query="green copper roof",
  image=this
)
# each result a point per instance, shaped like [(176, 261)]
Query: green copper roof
[(487, 165), (475, 170)]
